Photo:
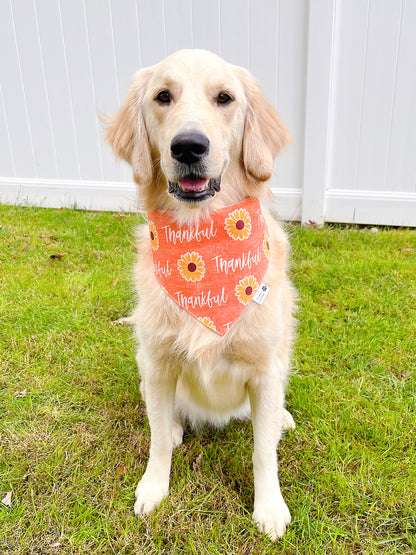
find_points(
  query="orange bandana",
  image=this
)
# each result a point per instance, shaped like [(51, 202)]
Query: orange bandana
[(213, 269)]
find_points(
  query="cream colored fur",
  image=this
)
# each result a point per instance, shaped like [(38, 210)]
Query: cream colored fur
[(190, 373)]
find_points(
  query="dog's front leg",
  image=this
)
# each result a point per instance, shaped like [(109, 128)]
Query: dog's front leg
[(266, 398), (154, 485)]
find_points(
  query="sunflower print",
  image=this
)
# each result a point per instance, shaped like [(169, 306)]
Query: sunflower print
[(238, 224), (191, 266), (154, 237), (266, 245), (207, 322), (246, 289)]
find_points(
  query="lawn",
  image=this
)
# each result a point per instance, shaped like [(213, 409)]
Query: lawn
[(74, 435)]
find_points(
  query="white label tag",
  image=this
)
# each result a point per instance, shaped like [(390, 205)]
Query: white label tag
[(261, 293)]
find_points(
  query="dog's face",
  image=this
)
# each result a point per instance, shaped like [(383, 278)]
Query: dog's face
[(194, 111), (192, 125)]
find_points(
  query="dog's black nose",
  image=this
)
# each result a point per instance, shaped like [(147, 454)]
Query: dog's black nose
[(189, 148)]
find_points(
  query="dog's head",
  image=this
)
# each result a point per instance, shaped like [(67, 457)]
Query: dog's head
[(195, 130)]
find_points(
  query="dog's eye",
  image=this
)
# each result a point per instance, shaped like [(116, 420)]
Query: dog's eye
[(224, 98), (164, 97)]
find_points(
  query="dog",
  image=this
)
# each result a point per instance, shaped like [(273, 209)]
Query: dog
[(201, 138)]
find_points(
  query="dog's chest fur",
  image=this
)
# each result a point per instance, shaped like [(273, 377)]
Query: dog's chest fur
[(213, 392)]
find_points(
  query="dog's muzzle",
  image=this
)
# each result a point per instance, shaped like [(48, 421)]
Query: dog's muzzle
[(189, 150)]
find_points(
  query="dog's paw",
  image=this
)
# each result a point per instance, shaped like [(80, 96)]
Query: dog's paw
[(130, 320), (177, 434), (149, 494), (288, 422), (272, 519)]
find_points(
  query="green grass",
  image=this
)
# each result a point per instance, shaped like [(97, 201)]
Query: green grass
[(73, 447)]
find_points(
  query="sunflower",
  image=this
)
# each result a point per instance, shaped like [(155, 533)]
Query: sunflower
[(238, 224), (266, 245), (207, 322), (191, 266), (154, 237), (246, 289)]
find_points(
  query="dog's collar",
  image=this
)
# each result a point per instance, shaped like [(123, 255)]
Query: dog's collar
[(213, 269)]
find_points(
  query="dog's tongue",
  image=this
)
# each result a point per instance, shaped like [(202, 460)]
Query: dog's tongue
[(192, 184)]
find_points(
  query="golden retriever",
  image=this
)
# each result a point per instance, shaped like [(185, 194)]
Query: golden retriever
[(200, 136)]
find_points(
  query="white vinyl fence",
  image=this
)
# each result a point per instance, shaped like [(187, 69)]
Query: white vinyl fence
[(342, 74)]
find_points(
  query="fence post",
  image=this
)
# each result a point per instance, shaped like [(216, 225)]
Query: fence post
[(321, 66)]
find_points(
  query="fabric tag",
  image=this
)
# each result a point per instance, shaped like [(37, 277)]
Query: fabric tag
[(261, 294)]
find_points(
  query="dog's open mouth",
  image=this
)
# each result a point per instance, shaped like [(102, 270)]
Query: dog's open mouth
[(194, 189)]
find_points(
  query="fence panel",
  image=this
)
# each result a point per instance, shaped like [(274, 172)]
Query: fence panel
[(342, 74)]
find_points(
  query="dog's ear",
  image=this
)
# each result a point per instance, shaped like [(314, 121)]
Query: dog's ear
[(264, 133), (126, 132)]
